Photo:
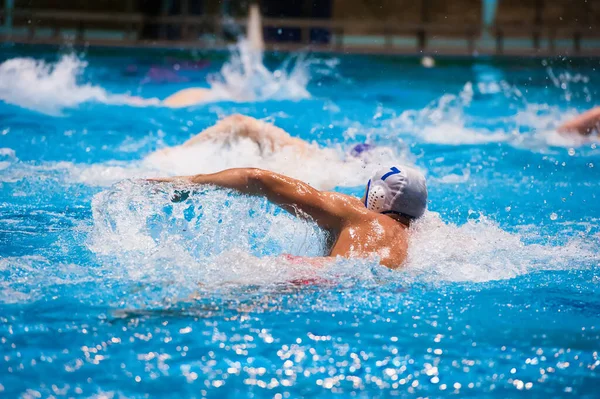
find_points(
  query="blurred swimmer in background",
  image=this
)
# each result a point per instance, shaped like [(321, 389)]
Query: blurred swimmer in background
[(267, 137), (585, 124), (188, 97)]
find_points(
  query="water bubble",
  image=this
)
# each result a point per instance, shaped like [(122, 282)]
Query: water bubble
[(553, 216), (571, 151)]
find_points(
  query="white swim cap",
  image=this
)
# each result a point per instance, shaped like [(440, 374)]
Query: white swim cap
[(399, 189)]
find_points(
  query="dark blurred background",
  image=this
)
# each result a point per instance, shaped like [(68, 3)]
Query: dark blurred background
[(458, 26)]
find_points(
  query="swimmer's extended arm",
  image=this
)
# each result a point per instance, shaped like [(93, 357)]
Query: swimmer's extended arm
[(584, 124), (326, 209)]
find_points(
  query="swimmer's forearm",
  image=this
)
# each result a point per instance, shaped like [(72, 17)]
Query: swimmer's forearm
[(245, 180), (240, 179), (279, 189)]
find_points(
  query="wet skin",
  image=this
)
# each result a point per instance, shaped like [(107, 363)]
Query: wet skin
[(585, 124), (356, 231)]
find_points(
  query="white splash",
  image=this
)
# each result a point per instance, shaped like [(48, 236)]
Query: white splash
[(446, 121), (22, 274), (214, 237), (245, 78), (50, 88), (254, 31), (480, 251), (217, 237), (324, 168)]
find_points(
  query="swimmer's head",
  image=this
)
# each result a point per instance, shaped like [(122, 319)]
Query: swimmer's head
[(398, 190)]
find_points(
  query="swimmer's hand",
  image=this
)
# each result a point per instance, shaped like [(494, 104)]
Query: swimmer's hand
[(178, 195), (175, 179)]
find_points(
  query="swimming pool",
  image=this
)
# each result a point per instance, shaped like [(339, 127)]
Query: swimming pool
[(108, 288)]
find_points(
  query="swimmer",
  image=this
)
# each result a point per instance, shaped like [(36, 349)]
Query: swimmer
[(268, 138), (188, 97), (584, 124), (376, 225)]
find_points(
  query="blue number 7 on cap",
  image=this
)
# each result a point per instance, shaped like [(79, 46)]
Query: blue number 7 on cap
[(394, 171)]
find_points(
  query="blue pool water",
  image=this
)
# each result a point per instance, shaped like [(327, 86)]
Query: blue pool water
[(109, 289)]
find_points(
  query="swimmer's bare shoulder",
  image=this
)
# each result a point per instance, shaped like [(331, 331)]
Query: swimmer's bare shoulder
[(363, 233), (366, 233)]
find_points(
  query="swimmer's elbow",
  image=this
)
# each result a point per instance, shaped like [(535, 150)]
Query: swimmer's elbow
[(277, 188), (257, 180)]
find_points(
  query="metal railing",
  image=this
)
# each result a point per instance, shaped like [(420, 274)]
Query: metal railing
[(189, 29)]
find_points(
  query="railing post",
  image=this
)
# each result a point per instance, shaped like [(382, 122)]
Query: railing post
[(552, 40), (339, 39), (577, 41), (499, 41), (31, 30), (55, 31), (130, 25), (305, 35), (539, 9), (140, 30), (471, 40), (185, 24), (387, 34), (421, 39), (536, 39), (421, 34), (162, 26), (79, 33)]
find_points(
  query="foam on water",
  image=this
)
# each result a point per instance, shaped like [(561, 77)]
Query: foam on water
[(21, 277), (324, 168), (50, 88), (480, 250), (142, 234), (245, 78), (443, 121), (447, 121), (7, 157)]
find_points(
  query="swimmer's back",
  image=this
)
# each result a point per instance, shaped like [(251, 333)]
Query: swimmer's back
[(366, 233)]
